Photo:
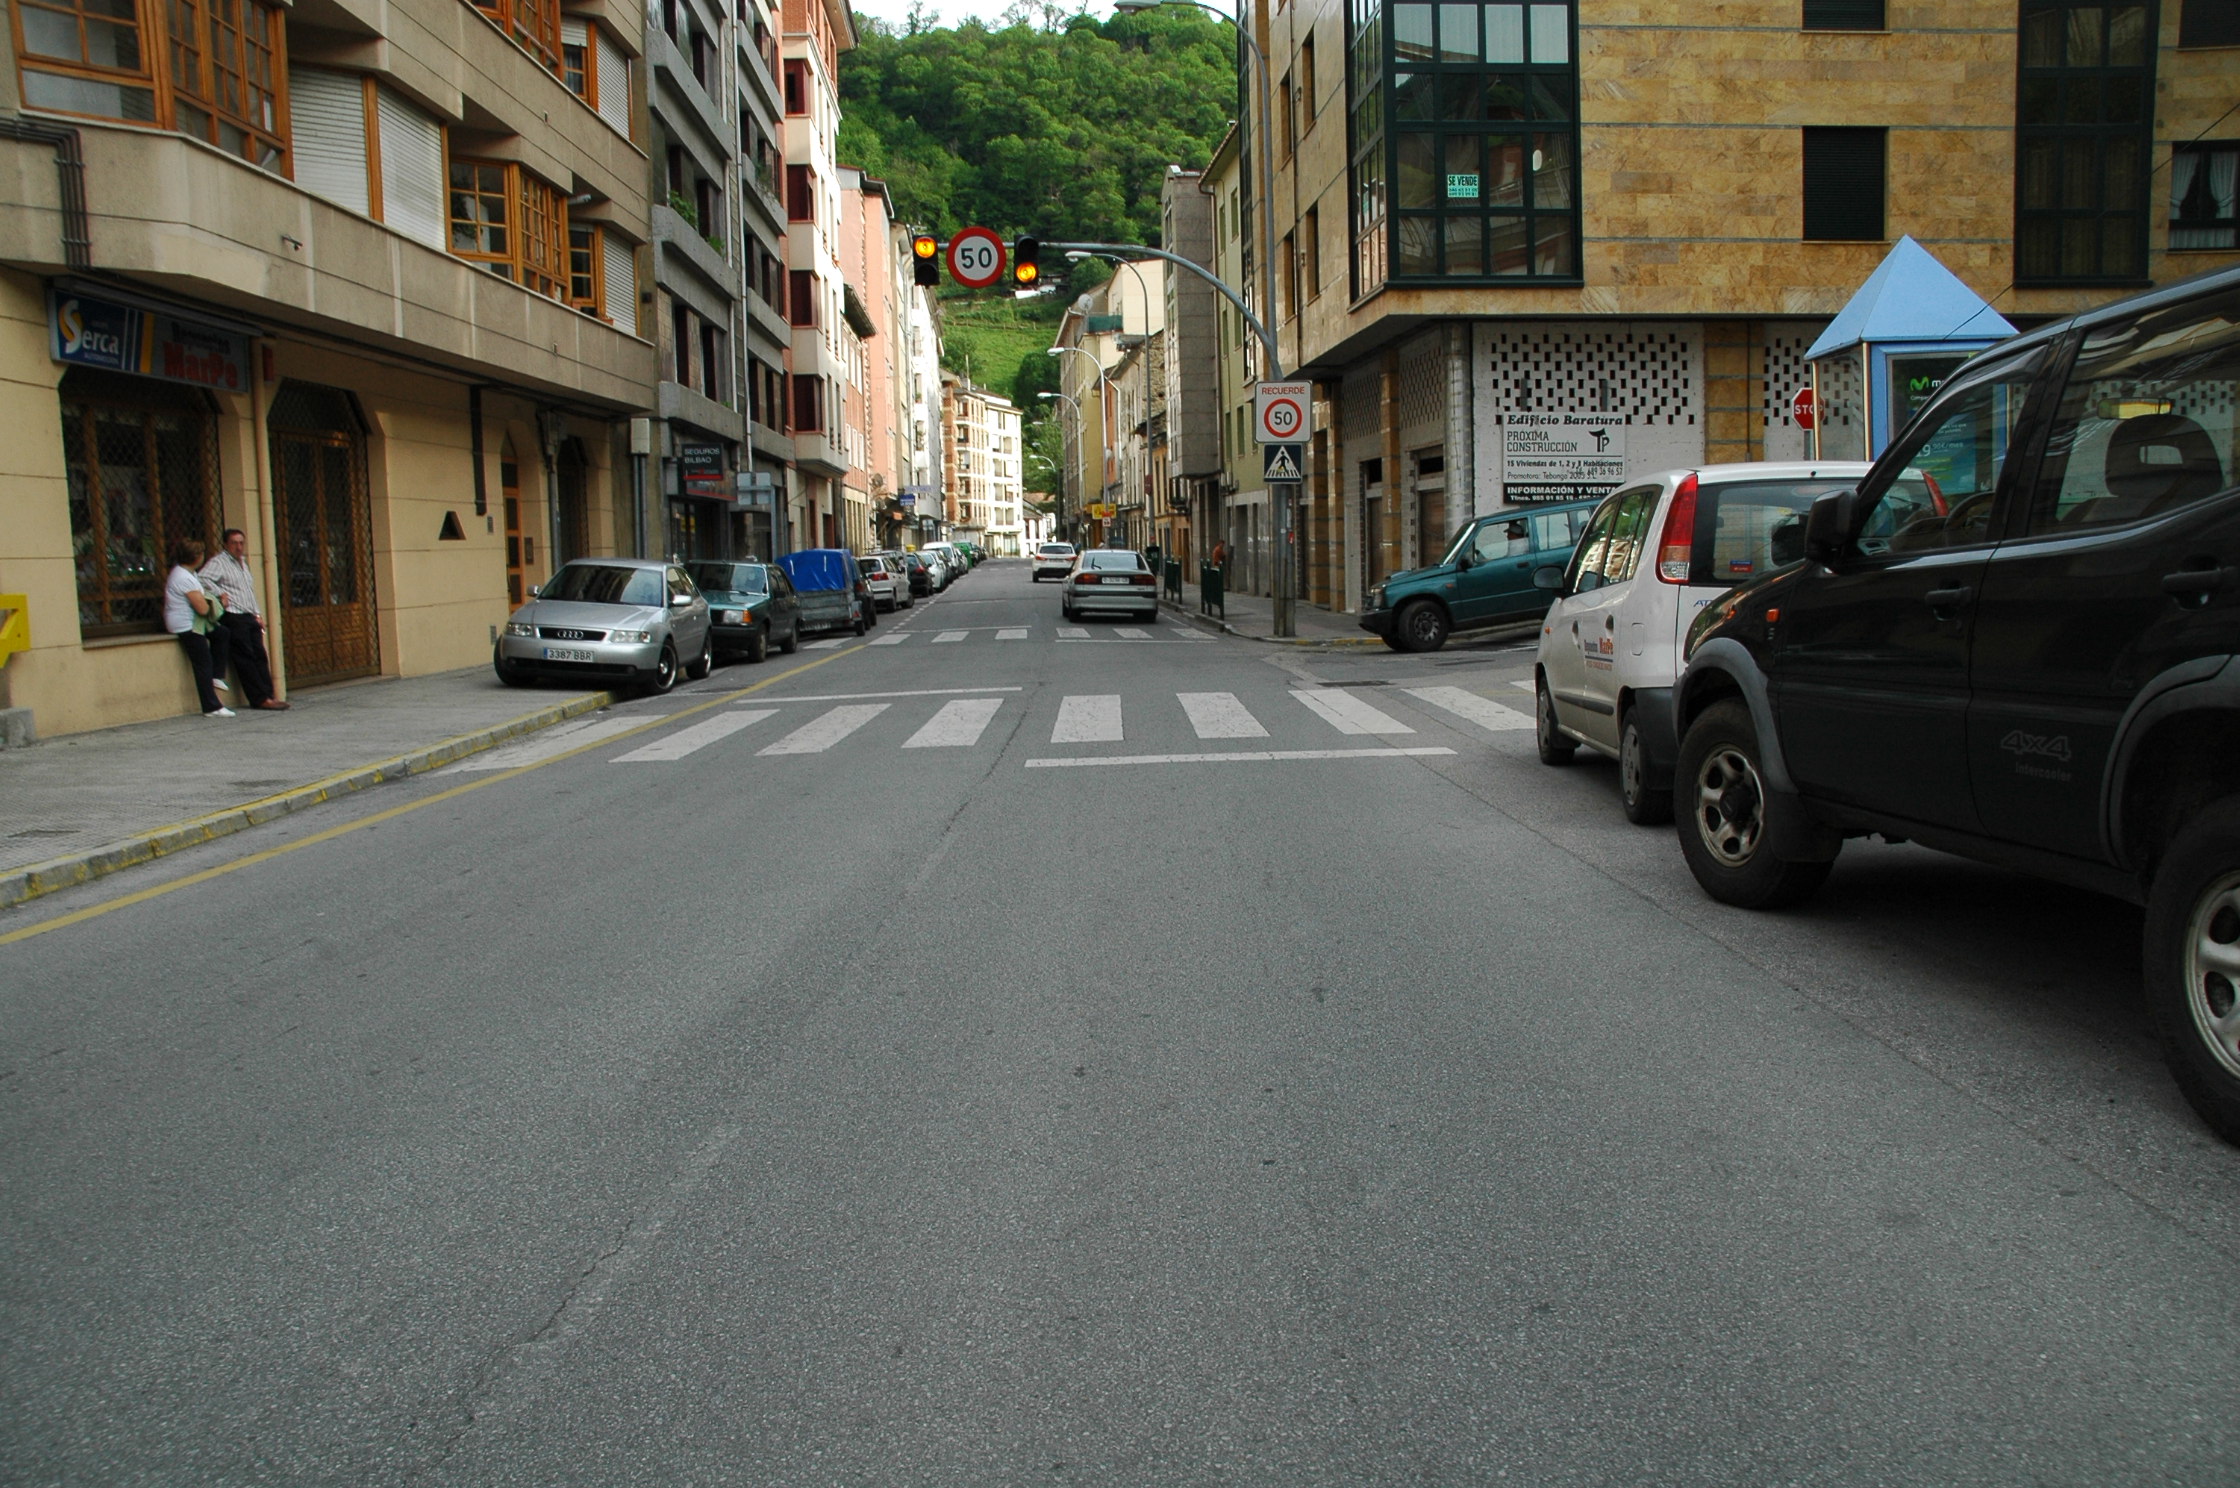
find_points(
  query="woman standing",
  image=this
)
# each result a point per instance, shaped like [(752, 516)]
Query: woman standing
[(189, 614)]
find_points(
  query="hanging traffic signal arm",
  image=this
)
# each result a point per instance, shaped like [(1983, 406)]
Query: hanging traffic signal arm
[(1267, 342)]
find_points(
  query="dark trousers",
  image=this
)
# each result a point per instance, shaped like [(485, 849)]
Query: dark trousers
[(206, 657), (251, 667)]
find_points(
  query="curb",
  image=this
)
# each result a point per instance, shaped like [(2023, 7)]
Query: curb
[(22, 885), (1340, 642)]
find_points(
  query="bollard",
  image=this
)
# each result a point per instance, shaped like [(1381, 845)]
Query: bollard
[(1210, 599)]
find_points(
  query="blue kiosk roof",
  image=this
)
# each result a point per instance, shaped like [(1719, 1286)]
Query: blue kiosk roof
[(1911, 297)]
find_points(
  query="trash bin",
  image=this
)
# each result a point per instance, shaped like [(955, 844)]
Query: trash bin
[(1210, 591)]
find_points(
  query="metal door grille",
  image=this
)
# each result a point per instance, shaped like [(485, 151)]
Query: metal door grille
[(325, 518), (143, 473)]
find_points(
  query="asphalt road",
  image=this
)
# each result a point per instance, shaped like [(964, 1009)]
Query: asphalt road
[(853, 1095)]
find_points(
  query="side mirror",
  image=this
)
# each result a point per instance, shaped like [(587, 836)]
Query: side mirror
[(679, 601), (536, 591), (1550, 577), (1466, 560), (1828, 526)]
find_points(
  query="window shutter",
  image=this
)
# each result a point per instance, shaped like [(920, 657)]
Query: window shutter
[(574, 32), (411, 171), (614, 83), (328, 111), (622, 280)]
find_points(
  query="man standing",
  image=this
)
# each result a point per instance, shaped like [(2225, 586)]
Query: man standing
[(228, 573)]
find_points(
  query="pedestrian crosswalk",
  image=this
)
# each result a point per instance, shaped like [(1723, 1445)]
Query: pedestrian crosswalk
[(960, 635), (1302, 717)]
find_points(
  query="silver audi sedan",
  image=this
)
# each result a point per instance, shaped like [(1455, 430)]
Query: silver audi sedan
[(636, 621)]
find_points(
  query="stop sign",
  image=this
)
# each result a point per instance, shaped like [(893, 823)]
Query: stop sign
[(1804, 408)]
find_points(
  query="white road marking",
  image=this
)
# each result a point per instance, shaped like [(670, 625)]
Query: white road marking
[(690, 740), (857, 697), (1072, 633), (558, 739), (1232, 757), (824, 645), (1088, 720), (1218, 715), (893, 640), (1349, 714), (1525, 684), (1133, 634), (950, 636), (825, 730), (1011, 633), (957, 726), (1482, 711)]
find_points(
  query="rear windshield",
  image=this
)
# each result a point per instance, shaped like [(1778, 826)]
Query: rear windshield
[(1112, 559), (729, 578), (1056, 550), (1746, 528), (602, 583)]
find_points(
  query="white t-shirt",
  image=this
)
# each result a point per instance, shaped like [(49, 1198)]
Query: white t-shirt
[(178, 614)]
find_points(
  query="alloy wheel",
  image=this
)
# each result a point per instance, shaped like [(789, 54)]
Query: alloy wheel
[(1730, 806), (2212, 969)]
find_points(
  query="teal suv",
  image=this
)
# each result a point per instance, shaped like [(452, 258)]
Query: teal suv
[(1501, 569)]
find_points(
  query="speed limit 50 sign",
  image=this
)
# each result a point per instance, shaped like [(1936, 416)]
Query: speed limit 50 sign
[(976, 258), (1279, 411)]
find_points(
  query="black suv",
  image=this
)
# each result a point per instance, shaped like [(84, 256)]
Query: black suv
[(2030, 657)]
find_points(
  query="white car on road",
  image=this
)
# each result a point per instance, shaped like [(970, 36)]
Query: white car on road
[(1053, 560)]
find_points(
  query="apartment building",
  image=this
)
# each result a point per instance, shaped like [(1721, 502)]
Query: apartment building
[(1096, 331), (765, 335), (871, 260), (361, 280), (1494, 218), (1194, 314), (980, 481), (921, 491), (1139, 490), (823, 361)]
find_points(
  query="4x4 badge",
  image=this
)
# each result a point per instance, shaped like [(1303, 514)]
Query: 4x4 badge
[(2052, 746)]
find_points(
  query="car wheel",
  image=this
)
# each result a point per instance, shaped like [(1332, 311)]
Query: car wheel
[(2193, 964), (1728, 835), (1421, 626), (707, 661), (1645, 805), (758, 644), (664, 671), (859, 627), (1556, 747), (792, 642)]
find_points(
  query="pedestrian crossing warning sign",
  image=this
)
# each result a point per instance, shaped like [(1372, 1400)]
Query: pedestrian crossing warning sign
[(1283, 462)]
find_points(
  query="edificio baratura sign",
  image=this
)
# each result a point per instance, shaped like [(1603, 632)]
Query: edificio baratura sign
[(89, 332), (1555, 456)]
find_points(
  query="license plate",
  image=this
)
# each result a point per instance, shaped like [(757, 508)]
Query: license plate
[(563, 653)]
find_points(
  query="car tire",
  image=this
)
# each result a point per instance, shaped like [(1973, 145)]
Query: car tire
[(1645, 805), (2192, 956), (758, 645), (1729, 820), (664, 671), (707, 662), (859, 627), (1556, 747), (1152, 618), (1421, 626), (792, 642)]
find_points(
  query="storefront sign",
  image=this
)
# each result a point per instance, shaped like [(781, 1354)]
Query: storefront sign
[(754, 490), (89, 332), (1562, 456), (700, 469)]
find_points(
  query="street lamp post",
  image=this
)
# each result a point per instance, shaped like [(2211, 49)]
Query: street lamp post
[(1068, 399)]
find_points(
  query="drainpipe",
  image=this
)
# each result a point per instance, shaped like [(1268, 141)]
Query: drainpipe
[(70, 174), (552, 427)]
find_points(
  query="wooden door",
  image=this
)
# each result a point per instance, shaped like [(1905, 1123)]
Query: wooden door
[(325, 520)]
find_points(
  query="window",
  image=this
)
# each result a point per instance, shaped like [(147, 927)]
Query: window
[(797, 87), (1843, 184), (808, 404), (680, 341), (2082, 141), (576, 61), (142, 458), (533, 23), (2145, 425), (1287, 276), (1959, 447), (714, 362), (511, 223), (1464, 141), (2201, 196), (208, 68), (803, 294), (801, 194), (1306, 81), (1287, 119), (2208, 23), (1311, 264), (586, 270), (1843, 15)]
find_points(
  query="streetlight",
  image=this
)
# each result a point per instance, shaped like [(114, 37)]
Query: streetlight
[(1068, 399)]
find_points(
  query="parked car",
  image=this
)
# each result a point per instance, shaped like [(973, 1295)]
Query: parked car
[(1651, 557), (753, 607), (632, 620), (886, 587), (898, 563), (940, 567), (1498, 570), (1111, 579), (2036, 666), (1053, 560), (953, 556), (831, 590), (920, 574)]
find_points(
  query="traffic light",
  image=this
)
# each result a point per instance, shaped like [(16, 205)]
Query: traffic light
[(1025, 272), (925, 253)]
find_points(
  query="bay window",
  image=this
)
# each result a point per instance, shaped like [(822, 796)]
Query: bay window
[(511, 223)]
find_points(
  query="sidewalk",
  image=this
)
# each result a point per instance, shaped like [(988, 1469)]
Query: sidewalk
[(78, 807), (1253, 617)]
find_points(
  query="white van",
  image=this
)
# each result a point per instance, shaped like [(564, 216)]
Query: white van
[(1654, 555)]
